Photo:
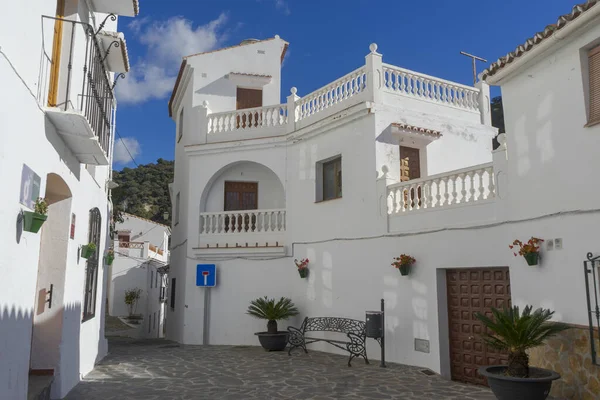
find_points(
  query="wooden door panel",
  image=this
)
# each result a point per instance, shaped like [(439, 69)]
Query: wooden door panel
[(471, 291), (241, 196)]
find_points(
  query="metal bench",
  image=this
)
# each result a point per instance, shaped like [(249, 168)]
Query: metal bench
[(354, 329)]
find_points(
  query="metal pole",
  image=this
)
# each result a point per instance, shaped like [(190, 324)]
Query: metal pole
[(382, 364), (206, 330), (474, 60), (589, 305)]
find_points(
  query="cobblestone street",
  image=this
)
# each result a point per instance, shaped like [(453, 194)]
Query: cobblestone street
[(156, 369)]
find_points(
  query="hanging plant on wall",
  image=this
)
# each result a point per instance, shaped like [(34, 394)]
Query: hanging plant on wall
[(403, 263), (110, 256), (88, 250), (302, 267), (529, 250), (33, 221)]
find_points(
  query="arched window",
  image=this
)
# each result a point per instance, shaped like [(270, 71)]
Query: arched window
[(91, 268)]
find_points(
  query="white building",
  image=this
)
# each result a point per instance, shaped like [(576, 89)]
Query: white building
[(257, 188), (58, 62), (141, 261)]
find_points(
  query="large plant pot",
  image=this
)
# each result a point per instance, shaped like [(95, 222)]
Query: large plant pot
[(32, 222), (273, 341), (537, 387), (532, 258)]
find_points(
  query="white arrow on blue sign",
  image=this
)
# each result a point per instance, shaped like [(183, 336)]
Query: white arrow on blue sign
[(206, 275)]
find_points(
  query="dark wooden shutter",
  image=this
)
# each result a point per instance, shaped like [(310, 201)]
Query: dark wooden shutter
[(241, 196), (173, 281), (594, 65), (248, 98)]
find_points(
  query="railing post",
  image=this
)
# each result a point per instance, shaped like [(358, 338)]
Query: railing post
[(197, 134), (500, 171), (146, 250), (484, 102), (374, 66), (292, 112)]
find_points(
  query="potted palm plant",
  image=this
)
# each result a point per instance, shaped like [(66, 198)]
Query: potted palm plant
[(33, 221), (516, 332), (88, 250), (272, 311)]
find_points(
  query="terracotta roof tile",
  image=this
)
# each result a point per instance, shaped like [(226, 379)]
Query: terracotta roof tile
[(417, 129), (245, 74), (145, 219), (536, 39)]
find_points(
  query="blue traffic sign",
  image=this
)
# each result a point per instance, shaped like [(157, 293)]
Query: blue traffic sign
[(206, 275)]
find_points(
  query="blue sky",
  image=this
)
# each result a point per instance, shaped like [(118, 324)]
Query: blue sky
[(328, 38)]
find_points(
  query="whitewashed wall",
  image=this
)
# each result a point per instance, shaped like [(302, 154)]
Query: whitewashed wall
[(29, 137)]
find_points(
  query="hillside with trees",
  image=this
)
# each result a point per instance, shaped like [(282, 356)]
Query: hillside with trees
[(144, 191)]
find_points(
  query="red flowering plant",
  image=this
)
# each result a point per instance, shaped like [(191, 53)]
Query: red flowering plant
[(302, 269), (403, 263), (529, 250)]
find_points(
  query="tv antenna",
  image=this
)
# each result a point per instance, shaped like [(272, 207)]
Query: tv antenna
[(474, 59)]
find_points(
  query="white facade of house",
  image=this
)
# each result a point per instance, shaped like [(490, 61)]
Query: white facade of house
[(141, 255), (67, 143)]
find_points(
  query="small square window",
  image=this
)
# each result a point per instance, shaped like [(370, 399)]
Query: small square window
[(329, 179)]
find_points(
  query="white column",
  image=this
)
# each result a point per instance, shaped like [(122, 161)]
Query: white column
[(292, 110), (197, 131), (484, 102), (500, 161), (374, 65)]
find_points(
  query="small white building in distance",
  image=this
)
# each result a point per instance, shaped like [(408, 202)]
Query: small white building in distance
[(141, 261)]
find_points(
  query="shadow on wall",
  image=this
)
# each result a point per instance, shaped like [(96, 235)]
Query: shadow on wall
[(15, 342), (61, 149), (15, 345), (221, 87)]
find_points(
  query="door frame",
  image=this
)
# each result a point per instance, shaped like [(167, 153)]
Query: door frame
[(444, 318)]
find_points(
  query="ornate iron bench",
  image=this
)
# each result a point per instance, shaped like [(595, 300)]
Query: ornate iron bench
[(354, 329)]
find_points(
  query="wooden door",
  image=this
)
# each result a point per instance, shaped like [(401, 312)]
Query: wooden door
[(471, 291), (56, 53), (248, 98), (241, 196), (410, 168)]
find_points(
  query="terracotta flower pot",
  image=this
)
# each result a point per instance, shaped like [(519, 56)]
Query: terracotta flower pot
[(32, 222), (532, 258)]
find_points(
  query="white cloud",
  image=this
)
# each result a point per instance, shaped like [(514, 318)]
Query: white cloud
[(282, 6), (165, 42), (121, 155)]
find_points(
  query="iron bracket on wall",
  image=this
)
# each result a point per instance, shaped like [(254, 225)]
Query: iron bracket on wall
[(592, 286), (112, 17), (115, 43), (121, 75)]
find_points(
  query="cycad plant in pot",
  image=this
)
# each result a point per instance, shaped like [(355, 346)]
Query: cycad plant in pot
[(515, 332), (272, 311)]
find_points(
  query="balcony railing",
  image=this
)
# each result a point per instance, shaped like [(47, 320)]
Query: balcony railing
[(250, 221), (414, 84), (464, 186), (75, 84), (249, 118)]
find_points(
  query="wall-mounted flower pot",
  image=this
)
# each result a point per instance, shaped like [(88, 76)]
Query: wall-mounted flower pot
[(532, 258), (109, 259), (303, 272), (404, 270), (32, 222), (86, 251)]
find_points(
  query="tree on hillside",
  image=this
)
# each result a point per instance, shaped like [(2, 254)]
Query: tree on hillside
[(144, 191)]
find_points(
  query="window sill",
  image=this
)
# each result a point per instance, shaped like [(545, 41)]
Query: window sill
[(328, 200), (592, 123)]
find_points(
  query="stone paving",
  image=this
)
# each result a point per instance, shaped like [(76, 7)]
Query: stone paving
[(157, 369)]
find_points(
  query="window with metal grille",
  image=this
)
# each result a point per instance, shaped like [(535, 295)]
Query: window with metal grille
[(594, 67), (180, 127), (91, 268)]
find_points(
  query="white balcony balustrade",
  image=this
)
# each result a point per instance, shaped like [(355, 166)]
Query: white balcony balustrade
[(466, 186), (242, 229), (409, 83), (248, 119)]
